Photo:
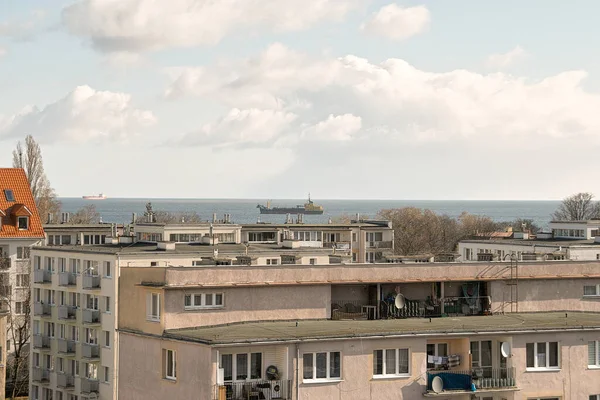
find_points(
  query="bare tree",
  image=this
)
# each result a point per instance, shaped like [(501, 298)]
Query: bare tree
[(16, 300), (86, 215), (29, 157), (521, 225), (476, 226), (168, 217), (577, 207)]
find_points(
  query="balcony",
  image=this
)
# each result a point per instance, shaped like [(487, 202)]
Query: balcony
[(268, 390), (337, 245), (90, 316), (485, 380), (40, 374), (67, 279), (90, 350), (65, 381), (89, 386), (42, 276), (66, 346), (67, 312), (4, 263), (42, 310), (41, 342), (91, 282), (382, 244)]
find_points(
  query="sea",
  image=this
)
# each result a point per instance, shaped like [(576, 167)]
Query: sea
[(120, 210)]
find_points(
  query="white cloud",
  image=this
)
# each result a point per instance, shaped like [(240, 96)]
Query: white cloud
[(396, 102), (505, 60), (251, 128), (143, 25), (22, 30), (397, 23), (335, 128), (82, 115)]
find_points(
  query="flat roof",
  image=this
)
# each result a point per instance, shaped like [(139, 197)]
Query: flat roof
[(185, 248), (308, 330), (536, 242)]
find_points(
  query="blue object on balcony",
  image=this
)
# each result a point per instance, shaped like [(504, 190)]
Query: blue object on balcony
[(452, 380)]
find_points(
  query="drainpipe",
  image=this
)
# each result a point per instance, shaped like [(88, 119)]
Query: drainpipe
[(297, 372)]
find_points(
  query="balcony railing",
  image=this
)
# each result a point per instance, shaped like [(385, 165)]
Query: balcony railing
[(65, 381), (89, 385), (90, 350), (429, 308), (338, 245), (483, 378), (91, 282), (40, 374), (41, 341), (66, 346), (67, 279), (4, 263), (90, 316), (381, 244), (42, 276), (41, 309), (353, 309), (268, 390), (67, 312)]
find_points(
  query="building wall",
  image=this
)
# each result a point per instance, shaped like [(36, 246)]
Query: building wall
[(546, 295), (141, 369), (3, 354), (133, 297), (249, 304)]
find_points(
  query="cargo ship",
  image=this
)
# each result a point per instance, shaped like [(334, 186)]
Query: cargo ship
[(101, 196), (308, 208)]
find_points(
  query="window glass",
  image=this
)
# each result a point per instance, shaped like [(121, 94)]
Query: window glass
[(321, 365), (307, 361), (241, 367)]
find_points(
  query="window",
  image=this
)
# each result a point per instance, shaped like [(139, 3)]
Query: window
[(107, 269), (23, 223), (22, 280), (92, 302), (91, 336), (542, 355), (196, 263), (241, 366), (436, 350), (154, 263), (19, 307), (594, 354), (153, 307), (106, 338), (8, 193), (272, 261), (594, 396), (107, 304), (91, 371), (23, 253), (170, 364), (481, 356), (321, 366), (203, 300), (106, 375), (591, 290), (391, 362), (312, 261)]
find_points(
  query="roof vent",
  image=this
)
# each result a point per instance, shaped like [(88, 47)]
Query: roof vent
[(165, 246)]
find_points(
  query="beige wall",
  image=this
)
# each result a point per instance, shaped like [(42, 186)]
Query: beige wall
[(132, 299), (250, 304), (546, 295), (2, 354), (141, 369)]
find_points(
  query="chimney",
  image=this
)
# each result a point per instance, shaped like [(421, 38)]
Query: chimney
[(101, 219), (133, 217), (68, 217), (49, 218), (329, 221), (214, 218), (357, 217)]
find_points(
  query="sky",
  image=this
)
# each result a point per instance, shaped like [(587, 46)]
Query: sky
[(354, 99)]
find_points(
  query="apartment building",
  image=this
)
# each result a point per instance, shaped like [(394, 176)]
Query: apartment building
[(66, 233), (334, 331), (76, 293)]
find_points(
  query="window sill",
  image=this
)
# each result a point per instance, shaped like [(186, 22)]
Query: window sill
[(152, 320), (542, 369), (321, 381), (389, 377), (171, 380), (590, 297), (594, 367), (203, 308)]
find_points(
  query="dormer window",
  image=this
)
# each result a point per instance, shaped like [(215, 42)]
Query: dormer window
[(8, 193), (23, 223)]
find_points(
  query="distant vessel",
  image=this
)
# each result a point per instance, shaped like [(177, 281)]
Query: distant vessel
[(309, 208), (101, 196)]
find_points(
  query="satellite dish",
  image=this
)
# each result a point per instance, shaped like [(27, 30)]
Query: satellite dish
[(437, 385), (400, 302), (505, 349)]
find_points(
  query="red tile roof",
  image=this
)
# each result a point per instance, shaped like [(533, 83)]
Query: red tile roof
[(14, 179)]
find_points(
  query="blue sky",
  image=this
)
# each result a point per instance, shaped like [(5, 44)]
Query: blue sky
[(268, 99)]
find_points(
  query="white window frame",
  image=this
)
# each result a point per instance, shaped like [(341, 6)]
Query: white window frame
[(328, 378), (596, 291), (234, 371), (172, 356), (151, 314), (546, 367), (24, 251), (26, 223), (396, 374), (596, 350), (436, 352), (202, 299), (594, 397), (107, 269)]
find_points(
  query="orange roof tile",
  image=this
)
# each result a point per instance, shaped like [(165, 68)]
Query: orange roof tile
[(14, 179)]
